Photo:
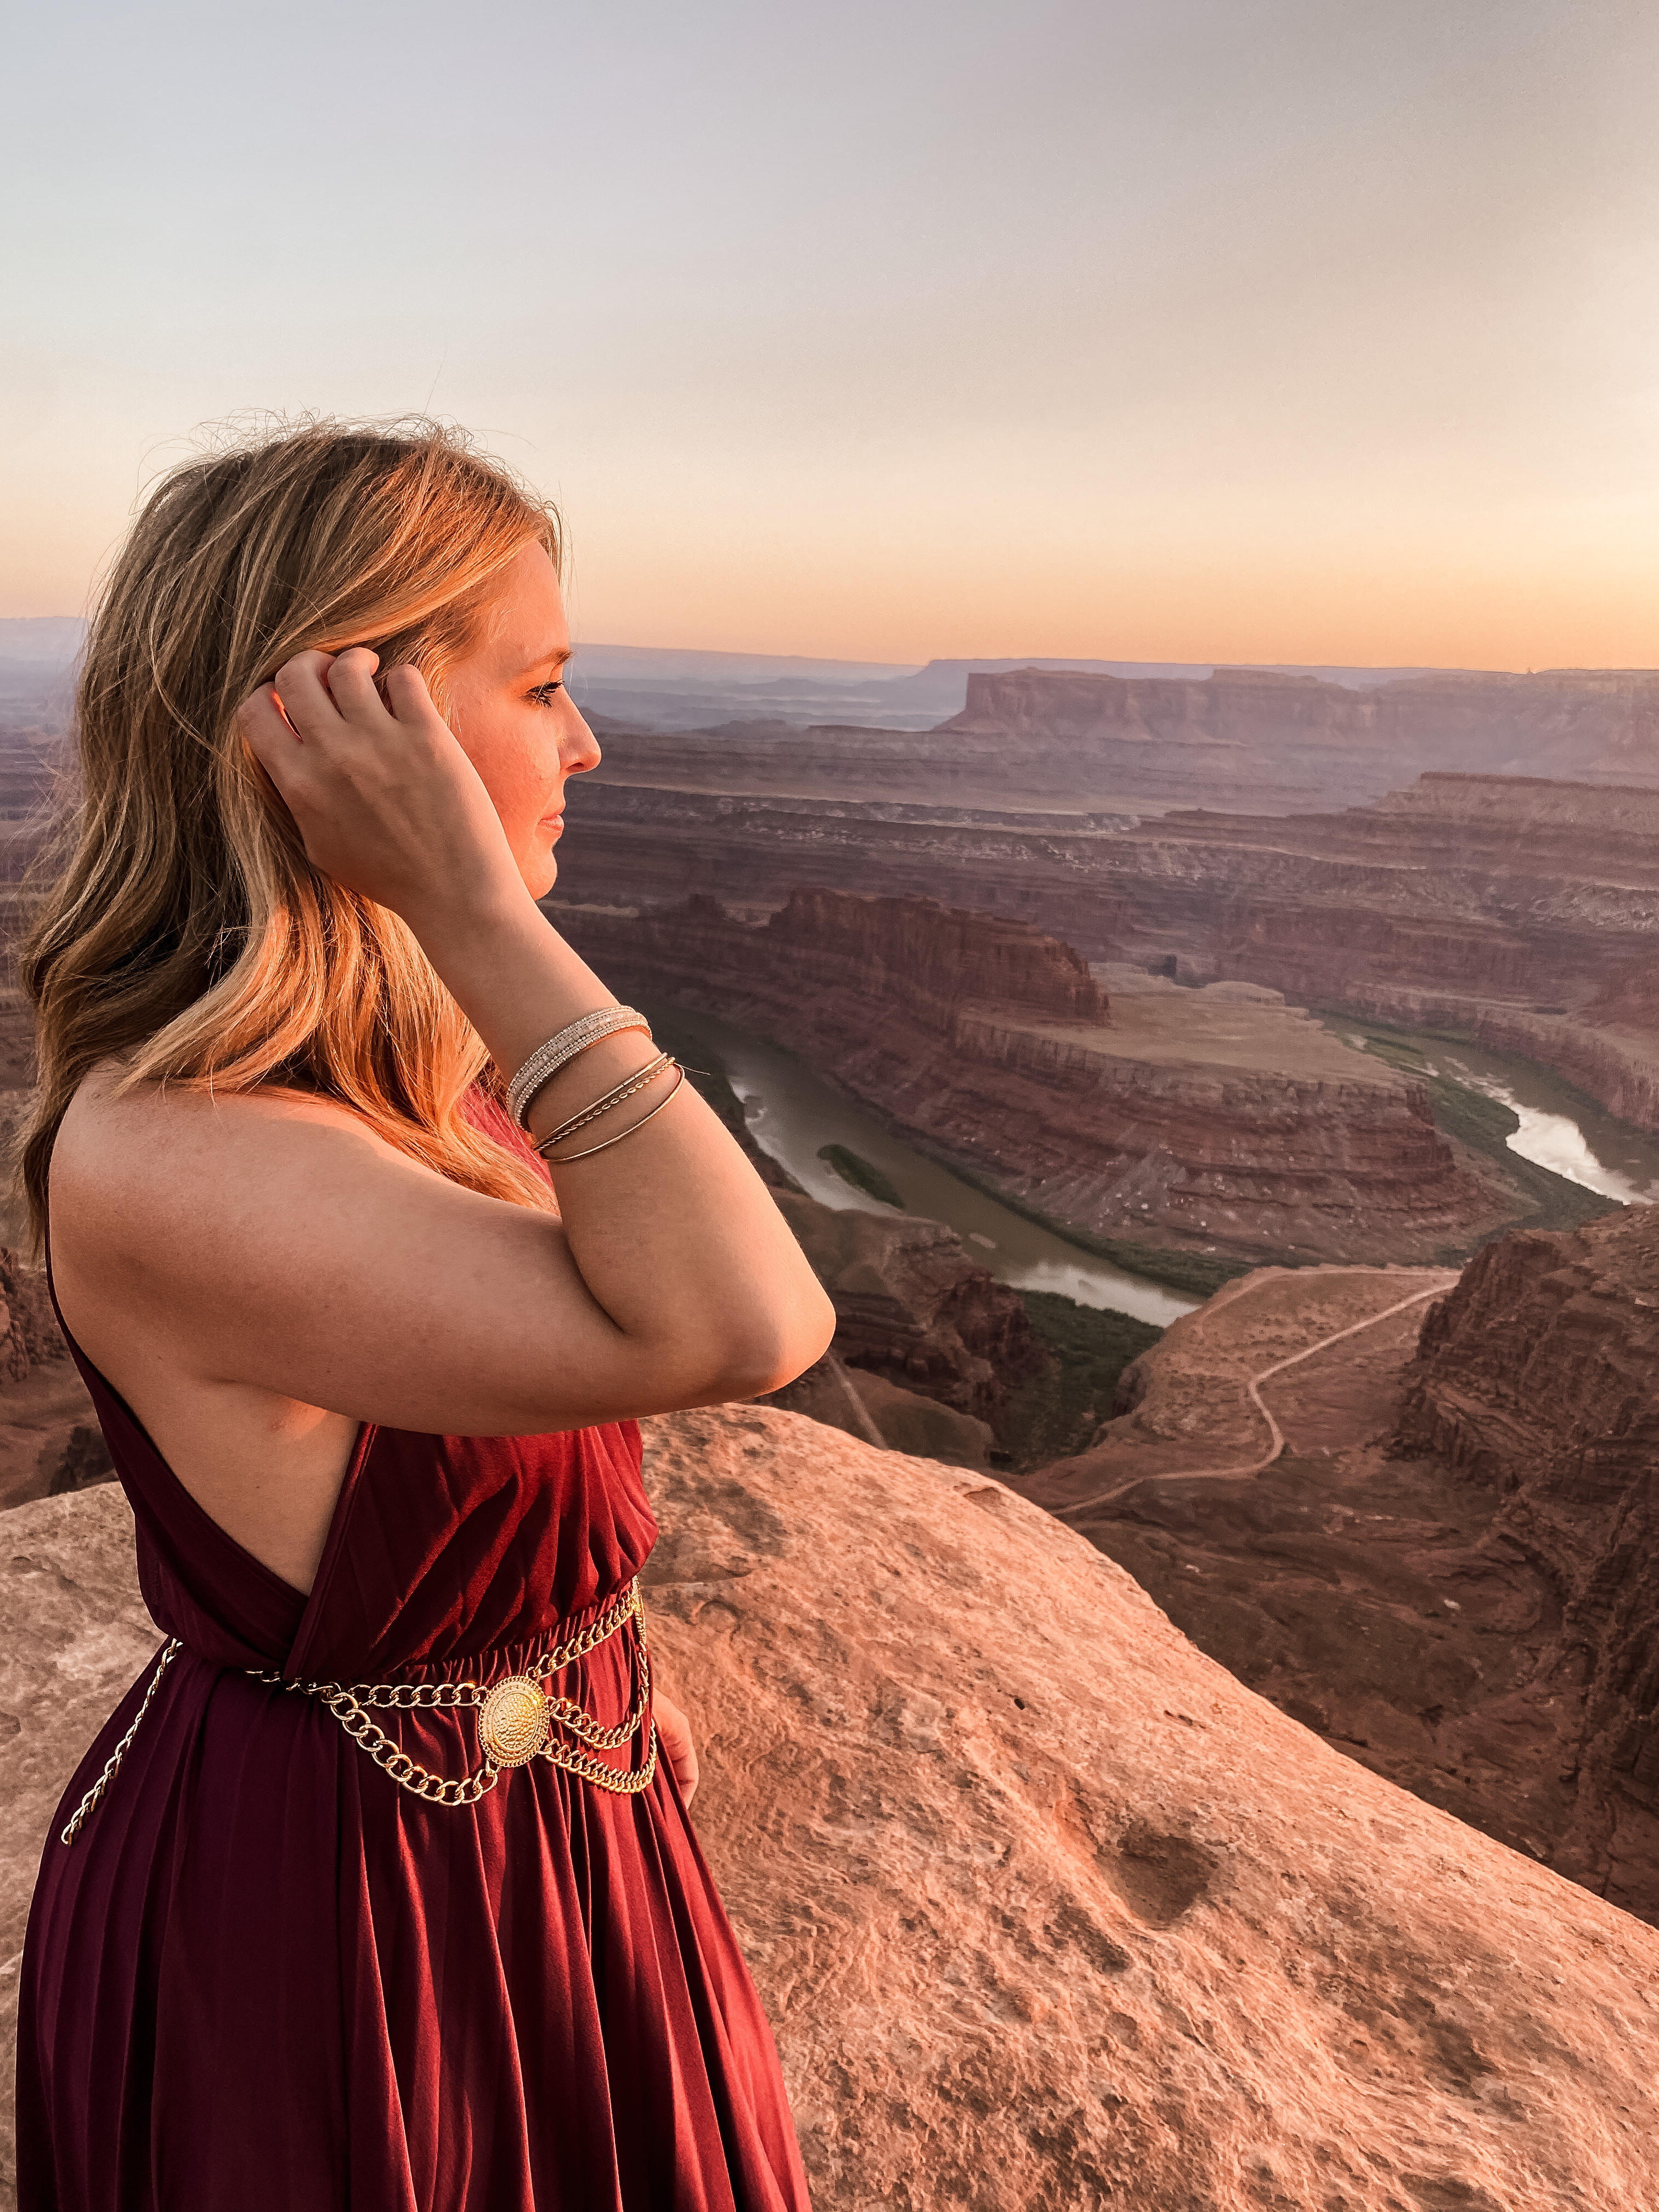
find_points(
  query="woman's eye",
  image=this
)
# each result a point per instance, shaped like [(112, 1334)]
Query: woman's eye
[(544, 694)]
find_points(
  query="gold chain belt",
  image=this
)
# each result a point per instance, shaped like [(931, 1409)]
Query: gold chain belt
[(517, 1718)]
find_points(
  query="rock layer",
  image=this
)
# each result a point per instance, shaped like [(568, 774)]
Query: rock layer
[(1521, 912), (1534, 1381), (1046, 1909), (1135, 1134), (1296, 741), (1242, 737), (913, 1308)]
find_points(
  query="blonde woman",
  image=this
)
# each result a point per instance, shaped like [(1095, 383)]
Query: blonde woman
[(373, 1222)]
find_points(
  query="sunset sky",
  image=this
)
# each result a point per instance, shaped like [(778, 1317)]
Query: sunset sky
[(1185, 329)]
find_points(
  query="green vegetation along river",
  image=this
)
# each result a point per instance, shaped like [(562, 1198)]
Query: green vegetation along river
[(1578, 1150)]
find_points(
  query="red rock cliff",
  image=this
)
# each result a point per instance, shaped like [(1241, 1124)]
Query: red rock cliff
[(933, 958), (1601, 722), (1027, 1082), (1539, 1376)]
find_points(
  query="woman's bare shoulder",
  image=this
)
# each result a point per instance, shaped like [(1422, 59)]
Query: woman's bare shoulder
[(127, 1152), (272, 1239)]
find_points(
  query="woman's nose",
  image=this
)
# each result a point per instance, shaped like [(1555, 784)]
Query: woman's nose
[(580, 749)]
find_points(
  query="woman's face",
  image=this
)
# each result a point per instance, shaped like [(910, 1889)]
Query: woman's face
[(516, 722)]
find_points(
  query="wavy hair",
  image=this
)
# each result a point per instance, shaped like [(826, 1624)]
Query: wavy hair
[(180, 926)]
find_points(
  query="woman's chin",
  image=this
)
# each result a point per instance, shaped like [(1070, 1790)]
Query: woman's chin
[(540, 874)]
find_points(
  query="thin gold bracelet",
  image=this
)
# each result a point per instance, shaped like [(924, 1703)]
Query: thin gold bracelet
[(642, 1080), (632, 1130)]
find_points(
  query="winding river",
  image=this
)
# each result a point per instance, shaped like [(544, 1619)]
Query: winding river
[(792, 1112), (1560, 1127)]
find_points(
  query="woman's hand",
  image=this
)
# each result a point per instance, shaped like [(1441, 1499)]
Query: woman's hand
[(385, 799), (674, 1741)]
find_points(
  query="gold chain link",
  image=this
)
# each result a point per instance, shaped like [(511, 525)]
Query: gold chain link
[(354, 1704), (112, 1764)]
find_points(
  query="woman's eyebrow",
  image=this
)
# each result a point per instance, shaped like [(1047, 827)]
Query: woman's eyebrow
[(556, 657)]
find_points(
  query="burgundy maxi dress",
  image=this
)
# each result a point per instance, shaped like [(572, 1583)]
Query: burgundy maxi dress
[(264, 1978)]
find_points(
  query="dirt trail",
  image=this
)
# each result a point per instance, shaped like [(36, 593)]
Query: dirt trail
[(1252, 1387)]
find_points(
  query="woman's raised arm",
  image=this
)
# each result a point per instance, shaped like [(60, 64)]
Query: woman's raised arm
[(293, 1251)]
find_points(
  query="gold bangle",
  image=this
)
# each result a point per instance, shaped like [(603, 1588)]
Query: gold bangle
[(632, 1130), (642, 1080)]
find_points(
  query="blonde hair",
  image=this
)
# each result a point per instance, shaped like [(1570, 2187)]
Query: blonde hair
[(181, 926)]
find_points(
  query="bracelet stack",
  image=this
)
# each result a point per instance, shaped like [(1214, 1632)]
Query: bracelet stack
[(545, 1063)]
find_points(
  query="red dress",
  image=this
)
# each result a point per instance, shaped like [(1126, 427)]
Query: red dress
[(265, 1978)]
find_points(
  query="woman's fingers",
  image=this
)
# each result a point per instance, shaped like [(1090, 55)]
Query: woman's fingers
[(674, 1740), (406, 694), (302, 687), (384, 796), (347, 679), (271, 738)]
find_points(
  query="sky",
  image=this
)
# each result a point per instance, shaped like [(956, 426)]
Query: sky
[(1185, 329)]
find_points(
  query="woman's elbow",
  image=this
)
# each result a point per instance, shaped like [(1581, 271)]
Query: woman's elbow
[(769, 1356)]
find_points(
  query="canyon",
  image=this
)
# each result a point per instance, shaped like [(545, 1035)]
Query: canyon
[(1254, 737), (1168, 1753), (1516, 910), (1448, 1572), (1045, 1907), (1248, 739), (1217, 1122)]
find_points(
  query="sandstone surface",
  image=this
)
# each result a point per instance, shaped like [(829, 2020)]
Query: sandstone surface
[(1045, 1908), (1213, 1124)]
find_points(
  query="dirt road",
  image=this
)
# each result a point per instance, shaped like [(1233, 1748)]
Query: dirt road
[(1252, 1386)]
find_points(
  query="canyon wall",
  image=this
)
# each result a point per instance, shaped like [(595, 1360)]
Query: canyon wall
[(1520, 912), (914, 1309), (1535, 1381), (927, 960), (1320, 1150), (1327, 741), (1249, 739)]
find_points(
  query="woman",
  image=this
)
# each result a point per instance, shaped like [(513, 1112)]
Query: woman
[(388, 1900)]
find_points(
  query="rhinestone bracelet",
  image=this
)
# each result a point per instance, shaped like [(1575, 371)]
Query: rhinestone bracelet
[(545, 1063)]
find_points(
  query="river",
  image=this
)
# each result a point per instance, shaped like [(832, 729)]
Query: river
[(792, 1112), (1560, 1127)]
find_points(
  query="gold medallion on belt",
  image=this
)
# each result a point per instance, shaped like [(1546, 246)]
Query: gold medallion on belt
[(514, 1721)]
